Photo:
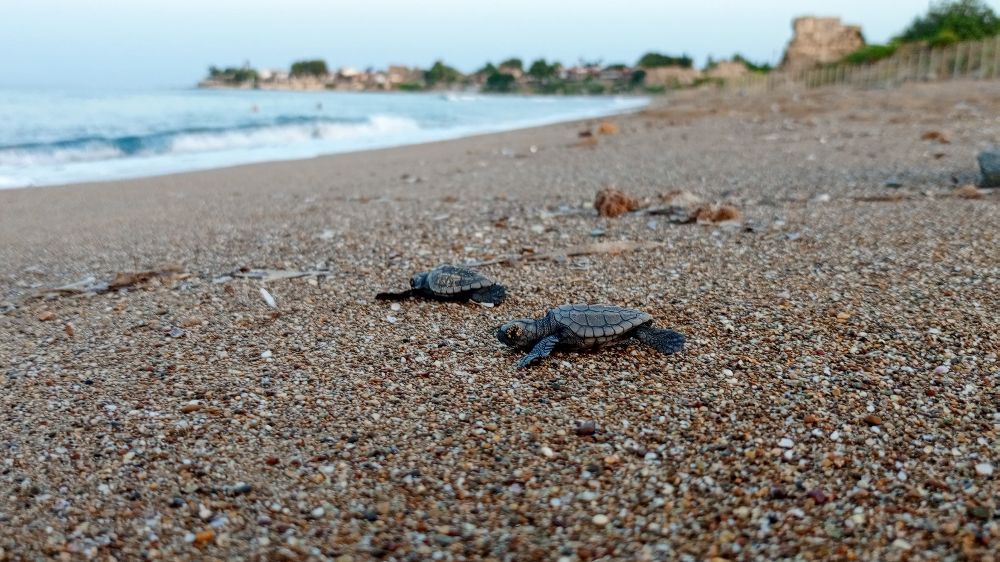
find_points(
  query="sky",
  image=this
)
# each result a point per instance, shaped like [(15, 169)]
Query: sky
[(170, 43)]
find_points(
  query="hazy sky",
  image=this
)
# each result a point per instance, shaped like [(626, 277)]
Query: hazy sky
[(172, 42)]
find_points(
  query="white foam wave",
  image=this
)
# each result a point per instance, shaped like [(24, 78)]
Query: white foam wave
[(284, 135)]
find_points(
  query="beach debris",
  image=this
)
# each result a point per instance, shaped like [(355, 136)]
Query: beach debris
[(584, 134), (716, 213), (268, 298), (938, 136), (165, 276), (968, 192), (275, 274), (893, 182), (123, 280), (597, 232), (883, 198), (411, 179), (680, 198), (450, 282), (610, 247), (607, 128), (613, 202), (989, 167)]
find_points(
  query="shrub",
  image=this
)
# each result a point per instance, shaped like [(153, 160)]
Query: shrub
[(762, 68), (314, 67), (410, 87), (871, 53), (653, 60), (953, 21)]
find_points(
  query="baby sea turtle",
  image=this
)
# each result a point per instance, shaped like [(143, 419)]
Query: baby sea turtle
[(585, 326), (451, 282)]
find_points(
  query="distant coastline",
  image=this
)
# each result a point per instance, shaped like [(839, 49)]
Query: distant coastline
[(653, 73)]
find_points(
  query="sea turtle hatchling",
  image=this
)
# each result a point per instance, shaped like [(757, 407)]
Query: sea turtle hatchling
[(451, 282), (585, 326)]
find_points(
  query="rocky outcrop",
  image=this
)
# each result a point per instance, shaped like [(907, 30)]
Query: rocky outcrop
[(728, 69), (671, 76), (820, 41)]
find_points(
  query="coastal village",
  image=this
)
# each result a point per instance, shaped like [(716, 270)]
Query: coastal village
[(816, 41)]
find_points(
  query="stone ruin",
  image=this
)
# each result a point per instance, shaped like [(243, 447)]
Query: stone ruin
[(820, 41)]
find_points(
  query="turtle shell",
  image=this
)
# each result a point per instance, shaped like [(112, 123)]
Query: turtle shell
[(450, 280), (595, 324)]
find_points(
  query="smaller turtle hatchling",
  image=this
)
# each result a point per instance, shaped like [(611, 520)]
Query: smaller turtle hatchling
[(585, 326), (451, 282)]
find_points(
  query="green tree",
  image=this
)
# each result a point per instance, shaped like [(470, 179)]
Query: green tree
[(315, 67), (499, 82), (440, 73), (541, 70), (487, 69), (638, 77), (513, 63), (953, 21), (654, 60)]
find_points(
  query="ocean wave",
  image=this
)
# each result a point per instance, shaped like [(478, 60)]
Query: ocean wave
[(279, 131)]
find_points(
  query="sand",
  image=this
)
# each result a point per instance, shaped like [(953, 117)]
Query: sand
[(838, 396)]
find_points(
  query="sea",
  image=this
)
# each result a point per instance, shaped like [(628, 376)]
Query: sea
[(51, 137)]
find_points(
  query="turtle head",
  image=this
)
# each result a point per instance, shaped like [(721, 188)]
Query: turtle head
[(419, 281), (518, 333)]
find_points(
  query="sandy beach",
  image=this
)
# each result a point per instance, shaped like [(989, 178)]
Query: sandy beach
[(837, 399)]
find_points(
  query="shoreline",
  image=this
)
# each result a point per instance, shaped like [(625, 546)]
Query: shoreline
[(631, 104), (836, 396)]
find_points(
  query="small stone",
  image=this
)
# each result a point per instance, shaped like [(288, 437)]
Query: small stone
[(941, 369), (980, 512), (989, 167), (317, 513), (843, 317), (241, 488), (547, 452), (901, 544), (176, 503), (786, 443), (810, 419), (271, 461), (176, 332), (984, 469), (266, 354), (600, 520), (69, 330), (189, 408), (204, 537), (872, 420), (46, 315), (818, 496), (586, 428)]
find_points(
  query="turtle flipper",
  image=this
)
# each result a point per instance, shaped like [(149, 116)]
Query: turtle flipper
[(397, 296), (494, 294), (542, 349), (664, 341)]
